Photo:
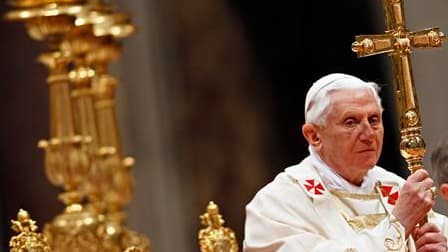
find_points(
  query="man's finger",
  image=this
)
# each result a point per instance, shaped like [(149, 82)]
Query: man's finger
[(418, 175), (427, 227)]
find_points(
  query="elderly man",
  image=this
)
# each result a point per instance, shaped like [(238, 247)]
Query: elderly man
[(337, 199)]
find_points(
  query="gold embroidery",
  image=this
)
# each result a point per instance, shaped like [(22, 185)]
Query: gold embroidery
[(344, 194), (392, 244), (361, 222), (356, 220)]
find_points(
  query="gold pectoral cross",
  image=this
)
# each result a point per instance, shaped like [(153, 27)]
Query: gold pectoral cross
[(398, 42)]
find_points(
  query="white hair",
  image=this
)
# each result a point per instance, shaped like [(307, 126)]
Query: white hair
[(318, 97)]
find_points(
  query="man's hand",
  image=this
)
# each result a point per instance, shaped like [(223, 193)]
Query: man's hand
[(429, 238), (415, 200)]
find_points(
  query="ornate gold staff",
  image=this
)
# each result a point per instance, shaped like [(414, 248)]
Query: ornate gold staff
[(398, 42)]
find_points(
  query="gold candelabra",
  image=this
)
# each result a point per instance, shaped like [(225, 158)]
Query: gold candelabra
[(83, 155)]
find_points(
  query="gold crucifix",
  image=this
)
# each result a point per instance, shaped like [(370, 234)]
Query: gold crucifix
[(398, 42)]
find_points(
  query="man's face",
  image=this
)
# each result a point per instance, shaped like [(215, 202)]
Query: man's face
[(352, 139)]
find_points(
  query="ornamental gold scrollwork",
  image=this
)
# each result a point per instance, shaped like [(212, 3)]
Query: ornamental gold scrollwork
[(214, 237), (27, 239)]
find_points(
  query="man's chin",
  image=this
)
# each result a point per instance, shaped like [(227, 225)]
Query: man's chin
[(370, 165)]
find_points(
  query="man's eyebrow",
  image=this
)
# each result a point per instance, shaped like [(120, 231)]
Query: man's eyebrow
[(376, 113), (351, 112)]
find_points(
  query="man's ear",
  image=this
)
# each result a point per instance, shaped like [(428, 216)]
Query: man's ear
[(311, 134), (443, 191)]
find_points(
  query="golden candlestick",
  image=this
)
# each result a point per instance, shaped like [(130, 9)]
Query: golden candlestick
[(104, 86), (214, 237), (64, 145), (121, 188), (110, 183), (109, 27), (83, 154), (66, 158), (27, 239), (398, 42), (77, 43), (50, 21), (105, 26)]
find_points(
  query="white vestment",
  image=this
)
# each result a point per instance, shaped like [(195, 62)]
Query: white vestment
[(298, 212)]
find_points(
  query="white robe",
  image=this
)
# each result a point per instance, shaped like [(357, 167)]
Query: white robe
[(296, 212)]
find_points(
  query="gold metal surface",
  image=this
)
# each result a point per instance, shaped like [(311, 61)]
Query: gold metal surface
[(37, 3), (48, 10), (83, 153), (27, 240), (214, 237), (75, 230), (48, 22), (66, 158), (106, 21), (398, 42)]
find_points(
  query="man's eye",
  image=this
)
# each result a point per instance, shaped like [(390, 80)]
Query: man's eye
[(374, 120), (350, 122)]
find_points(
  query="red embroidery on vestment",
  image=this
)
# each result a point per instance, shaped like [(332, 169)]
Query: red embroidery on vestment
[(314, 188), (392, 197)]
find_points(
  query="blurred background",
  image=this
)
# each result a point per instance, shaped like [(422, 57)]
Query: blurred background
[(210, 103)]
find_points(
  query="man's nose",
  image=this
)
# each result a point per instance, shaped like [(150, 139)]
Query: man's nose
[(367, 131)]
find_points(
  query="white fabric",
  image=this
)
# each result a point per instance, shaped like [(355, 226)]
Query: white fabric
[(284, 216), (333, 180)]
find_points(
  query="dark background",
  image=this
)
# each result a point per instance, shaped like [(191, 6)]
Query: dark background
[(290, 46), (296, 45)]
